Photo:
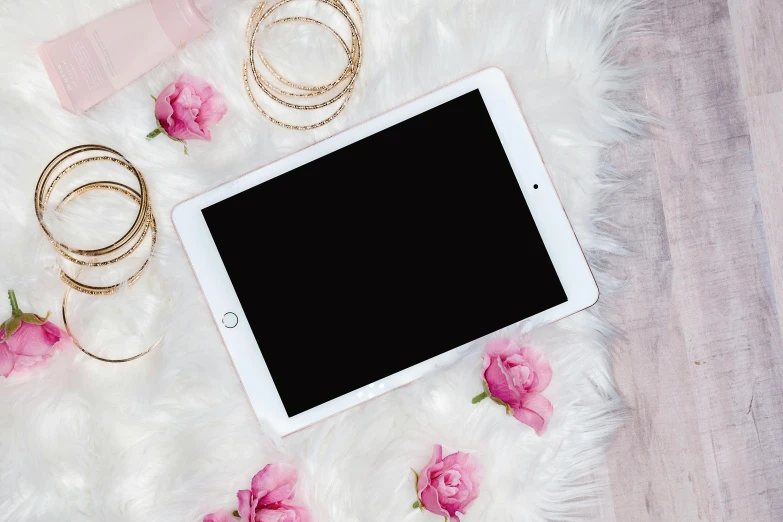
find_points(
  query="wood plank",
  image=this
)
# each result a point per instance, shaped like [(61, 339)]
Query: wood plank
[(656, 463), (766, 131), (758, 37), (702, 368)]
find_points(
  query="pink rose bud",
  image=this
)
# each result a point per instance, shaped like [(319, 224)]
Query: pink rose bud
[(282, 513), (219, 516), (449, 485), (269, 496), (515, 378), (187, 108), (27, 340)]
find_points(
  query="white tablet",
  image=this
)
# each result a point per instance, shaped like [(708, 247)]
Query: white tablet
[(365, 261)]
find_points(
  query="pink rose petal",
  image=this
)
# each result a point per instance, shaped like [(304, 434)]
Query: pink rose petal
[(424, 480), (184, 125), (32, 339), (246, 508), (283, 513), (53, 332), (429, 499), (219, 516), (274, 483), (199, 86), (7, 360), (25, 363), (501, 348), (540, 366), (521, 376), (212, 111), (163, 110), (535, 411), (500, 383)]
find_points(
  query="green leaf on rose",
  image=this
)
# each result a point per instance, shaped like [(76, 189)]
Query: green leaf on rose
[(417, 504), (509, 409), (235, 513), (12, 325), (34, 319), (480, 397), (183, 142)]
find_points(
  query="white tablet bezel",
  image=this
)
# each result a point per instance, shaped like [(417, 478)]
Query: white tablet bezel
[(545, 206)]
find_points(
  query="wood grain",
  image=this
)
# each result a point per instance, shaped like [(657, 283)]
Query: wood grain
[(758, 33), (702, 358), (766, 132), (653, 369)]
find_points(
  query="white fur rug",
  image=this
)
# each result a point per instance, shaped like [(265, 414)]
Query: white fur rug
[(171, 436)]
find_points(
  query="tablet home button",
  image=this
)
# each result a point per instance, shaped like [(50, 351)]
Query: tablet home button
[(230, 320)]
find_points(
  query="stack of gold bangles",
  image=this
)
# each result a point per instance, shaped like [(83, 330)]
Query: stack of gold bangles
[(83, 258), (285, 92)]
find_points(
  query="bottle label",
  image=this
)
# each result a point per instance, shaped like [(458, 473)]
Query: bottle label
[(129, 43), (91, 63)]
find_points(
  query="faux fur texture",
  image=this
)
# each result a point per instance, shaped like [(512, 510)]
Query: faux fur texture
[(171, 436)]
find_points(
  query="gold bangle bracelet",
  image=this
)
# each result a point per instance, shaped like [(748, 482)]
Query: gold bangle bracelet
[(144, 222), (354, 55), (60, 166), (44, 187), (310, 90), (72, 283), (111, 186), (149, 225), (94, 356)]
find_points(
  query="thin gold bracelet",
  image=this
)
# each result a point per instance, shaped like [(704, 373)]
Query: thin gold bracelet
[(142, 235), (123, 189), (44, 187), (64, 163), (354, 55), (149, 225), (145, 220)]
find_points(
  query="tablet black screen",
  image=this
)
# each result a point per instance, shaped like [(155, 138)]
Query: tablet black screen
[(383, 254)]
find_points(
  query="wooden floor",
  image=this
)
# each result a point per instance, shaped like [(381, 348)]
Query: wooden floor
[(701, 364)]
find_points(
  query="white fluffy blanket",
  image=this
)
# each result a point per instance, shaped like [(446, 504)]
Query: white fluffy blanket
[(171, 436)]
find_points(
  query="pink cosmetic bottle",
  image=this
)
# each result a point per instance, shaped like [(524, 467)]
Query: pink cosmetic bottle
[(93, 62)]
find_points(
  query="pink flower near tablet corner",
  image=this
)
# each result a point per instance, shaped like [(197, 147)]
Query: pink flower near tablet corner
[(515, 378), (449, 485), (275, 483), (269, 499), (269, 496)]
